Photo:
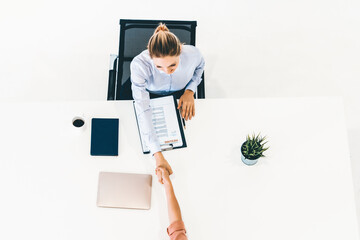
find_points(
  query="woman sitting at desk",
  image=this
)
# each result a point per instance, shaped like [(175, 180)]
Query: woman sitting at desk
[(166, 67)]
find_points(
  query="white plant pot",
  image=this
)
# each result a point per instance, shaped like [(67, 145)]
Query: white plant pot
[(248, 162)]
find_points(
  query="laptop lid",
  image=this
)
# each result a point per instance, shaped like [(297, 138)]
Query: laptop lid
[(124, 190)]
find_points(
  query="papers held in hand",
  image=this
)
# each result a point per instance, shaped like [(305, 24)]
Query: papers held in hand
[(166, 120)]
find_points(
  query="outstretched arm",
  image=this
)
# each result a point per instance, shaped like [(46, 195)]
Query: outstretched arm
[(139, 73), (173, 205), (176, 230)]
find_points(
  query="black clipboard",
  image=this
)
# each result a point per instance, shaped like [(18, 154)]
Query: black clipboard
[(179, 121)]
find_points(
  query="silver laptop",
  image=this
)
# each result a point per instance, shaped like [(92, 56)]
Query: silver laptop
[(124, 190)]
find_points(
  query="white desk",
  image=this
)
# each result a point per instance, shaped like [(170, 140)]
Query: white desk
[(301, 190)]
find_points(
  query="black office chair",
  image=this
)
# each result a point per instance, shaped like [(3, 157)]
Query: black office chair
[(134, 36)]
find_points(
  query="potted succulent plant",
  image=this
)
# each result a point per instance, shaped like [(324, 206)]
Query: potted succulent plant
[(252, 149)]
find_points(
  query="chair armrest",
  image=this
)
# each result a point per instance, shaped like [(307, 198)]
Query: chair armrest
[(201, 87), (112, 77)]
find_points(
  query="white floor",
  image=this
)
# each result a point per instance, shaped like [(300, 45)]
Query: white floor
[(59, 50)]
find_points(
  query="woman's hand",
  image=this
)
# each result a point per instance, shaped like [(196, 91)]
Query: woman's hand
[(187, 105)]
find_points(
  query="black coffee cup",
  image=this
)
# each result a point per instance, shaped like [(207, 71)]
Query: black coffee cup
[(78, 122)]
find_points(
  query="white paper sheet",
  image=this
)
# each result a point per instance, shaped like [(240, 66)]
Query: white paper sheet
[(165, 122)]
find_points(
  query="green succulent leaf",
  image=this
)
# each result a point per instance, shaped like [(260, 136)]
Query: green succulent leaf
[(253, 147)]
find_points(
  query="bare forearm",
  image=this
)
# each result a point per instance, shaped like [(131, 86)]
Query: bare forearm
[(173, 205), (158, 156)]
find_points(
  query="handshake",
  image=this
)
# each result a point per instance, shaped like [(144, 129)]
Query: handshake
[(163, 170), (163, 175)]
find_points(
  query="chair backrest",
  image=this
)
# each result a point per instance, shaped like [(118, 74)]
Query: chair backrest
[(134, 36)]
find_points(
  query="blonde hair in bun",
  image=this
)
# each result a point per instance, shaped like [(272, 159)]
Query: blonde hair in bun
[(163, 43), (161, 27)]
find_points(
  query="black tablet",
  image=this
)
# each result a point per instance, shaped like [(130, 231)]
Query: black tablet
[(104, 137)]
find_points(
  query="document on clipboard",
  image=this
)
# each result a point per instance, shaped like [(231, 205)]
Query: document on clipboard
[(167, 122)]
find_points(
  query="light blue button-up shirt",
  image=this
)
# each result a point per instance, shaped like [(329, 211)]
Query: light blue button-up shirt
[(145, 78)]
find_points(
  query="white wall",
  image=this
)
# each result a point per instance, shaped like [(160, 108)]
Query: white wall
[(59, 50)]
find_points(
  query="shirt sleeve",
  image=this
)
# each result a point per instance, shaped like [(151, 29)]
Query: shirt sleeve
[(196, 79), (139, 75), (176, 231)]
